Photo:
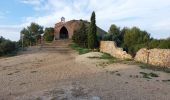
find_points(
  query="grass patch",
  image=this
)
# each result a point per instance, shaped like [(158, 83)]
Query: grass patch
[(94, 57), (166, 80), (103, 64), (80, 50), (33, 71), (112, 72), (109, 57), (145, 75), (118, 74), (106, 56), (153, 75), (149, 75), (154, 68), (116, 60)]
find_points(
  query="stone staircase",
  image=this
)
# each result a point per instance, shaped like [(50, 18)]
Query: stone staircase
[(57, 45)]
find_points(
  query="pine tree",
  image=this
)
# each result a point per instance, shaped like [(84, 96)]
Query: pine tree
[(92, 36)]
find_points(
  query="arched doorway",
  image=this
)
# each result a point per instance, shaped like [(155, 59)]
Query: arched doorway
[(63, 33)]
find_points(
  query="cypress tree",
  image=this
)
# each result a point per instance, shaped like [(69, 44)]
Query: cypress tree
[(92, 36)]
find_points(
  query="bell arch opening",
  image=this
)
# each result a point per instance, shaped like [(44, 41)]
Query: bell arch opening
[(64, 33)]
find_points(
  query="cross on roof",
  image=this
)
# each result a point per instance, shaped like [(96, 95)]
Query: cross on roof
[(62, 19)]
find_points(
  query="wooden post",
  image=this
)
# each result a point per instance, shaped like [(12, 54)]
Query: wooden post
[(22, 41), (148, 56)]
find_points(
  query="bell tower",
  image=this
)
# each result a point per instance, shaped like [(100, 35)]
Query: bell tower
[(63, 19)]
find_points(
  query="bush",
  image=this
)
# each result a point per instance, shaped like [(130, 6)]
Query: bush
[(7, 46), (135, 39), (49, 34), (80, 36), (163, 44)]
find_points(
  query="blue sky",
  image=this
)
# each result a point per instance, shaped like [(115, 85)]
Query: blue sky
[(150, 15)]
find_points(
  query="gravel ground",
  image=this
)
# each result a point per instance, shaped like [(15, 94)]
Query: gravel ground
[(55, 72)]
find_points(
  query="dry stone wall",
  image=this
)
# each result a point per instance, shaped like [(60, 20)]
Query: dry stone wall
[(159, 57), (111, 48)]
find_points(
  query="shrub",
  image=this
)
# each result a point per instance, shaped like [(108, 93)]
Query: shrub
[(49, 34), (79, 49), (80, 36), (133, 39), (7, 46)]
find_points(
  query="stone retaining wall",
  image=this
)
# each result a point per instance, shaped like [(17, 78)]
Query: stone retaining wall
[(111, 48), (159, 57)]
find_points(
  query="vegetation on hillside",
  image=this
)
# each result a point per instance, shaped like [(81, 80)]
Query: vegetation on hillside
[(133, 39), (49, 34), (159, 43), (130, 39), (86, 35), (79, 49), (31, 34), (80, 36), (7, 46)]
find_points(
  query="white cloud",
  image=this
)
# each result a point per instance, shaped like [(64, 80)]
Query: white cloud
[(149, 15), (37, 4), (32, 2), (10, 32)]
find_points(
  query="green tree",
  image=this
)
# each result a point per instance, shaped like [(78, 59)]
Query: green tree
[(80, 35), (116, 35), (49, 34), (35, 30), (31, 34), (92, 34), (161, 43), (114, 31), (107, 37), (27, 39), (122, 33), (135, 39)]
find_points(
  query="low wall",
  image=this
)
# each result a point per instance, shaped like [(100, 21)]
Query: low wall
[(111, 48), (159, 57)]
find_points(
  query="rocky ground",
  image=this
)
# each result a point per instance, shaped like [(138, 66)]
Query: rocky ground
[(56, 72)]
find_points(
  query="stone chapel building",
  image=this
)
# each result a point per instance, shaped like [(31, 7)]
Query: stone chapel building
[(65, 30)]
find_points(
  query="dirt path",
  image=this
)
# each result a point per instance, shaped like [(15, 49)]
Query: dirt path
[(55, 72)]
